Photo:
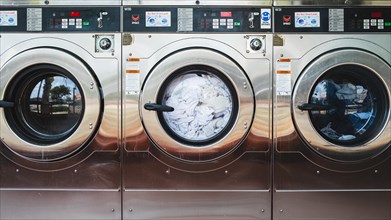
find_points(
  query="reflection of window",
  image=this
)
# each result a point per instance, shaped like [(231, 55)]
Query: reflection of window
[(54, 105), (353, 105), (55, 95)]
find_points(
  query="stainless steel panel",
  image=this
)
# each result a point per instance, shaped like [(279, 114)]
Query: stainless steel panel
[(224, 205), (56, 204), (331, 2), (337, 205), (97, 165), (198, 2), (60, 2)]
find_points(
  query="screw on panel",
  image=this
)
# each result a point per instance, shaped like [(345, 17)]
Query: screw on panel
[(47, 2), (75, 171), (281, 55), (262, 210), (112, 210), (376, 171), (149, 36), (301, 37), (130, 210), (263, 36), (226, 172), (17, 170), (317, 172), (281, 210), (90, 125), (93, 36), (247, 37), (168, 171), (130, 54), (197, 2), (247, 51)]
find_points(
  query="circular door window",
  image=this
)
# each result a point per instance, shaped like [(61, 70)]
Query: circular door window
[(51, 104), (203, 105), (342, 105), (197, 109)]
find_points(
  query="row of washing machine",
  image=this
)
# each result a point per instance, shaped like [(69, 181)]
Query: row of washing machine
[(195, 111)]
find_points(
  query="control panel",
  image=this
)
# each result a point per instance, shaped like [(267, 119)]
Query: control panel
[(60, 19), (360, 19), (197, 19)]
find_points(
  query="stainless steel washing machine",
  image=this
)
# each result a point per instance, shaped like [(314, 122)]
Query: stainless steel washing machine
[(332, 75), (60, 112), (197, 112)]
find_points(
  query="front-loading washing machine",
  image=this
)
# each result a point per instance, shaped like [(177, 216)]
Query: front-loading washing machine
[(60, 112), (332, 154), (197, 112)]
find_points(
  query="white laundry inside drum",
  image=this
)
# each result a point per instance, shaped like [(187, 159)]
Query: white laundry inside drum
[(202, 106)]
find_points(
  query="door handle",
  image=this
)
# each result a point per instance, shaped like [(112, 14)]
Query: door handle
[(158, 107), (314, 107), (6, 104)]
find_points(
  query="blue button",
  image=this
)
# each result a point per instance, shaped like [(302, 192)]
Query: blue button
[(314, 21), (11, 20)]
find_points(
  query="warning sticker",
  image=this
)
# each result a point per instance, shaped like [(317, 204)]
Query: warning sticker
[(283, 78), (132, 80)]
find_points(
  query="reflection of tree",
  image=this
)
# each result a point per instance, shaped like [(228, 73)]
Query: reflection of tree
[(46, 94), (58, 92)]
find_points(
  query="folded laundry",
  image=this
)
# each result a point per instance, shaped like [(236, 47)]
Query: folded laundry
[(202, 103)]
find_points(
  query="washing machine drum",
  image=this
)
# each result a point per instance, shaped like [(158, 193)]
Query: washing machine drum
[(341, 105), (51, 104), (197, 105)]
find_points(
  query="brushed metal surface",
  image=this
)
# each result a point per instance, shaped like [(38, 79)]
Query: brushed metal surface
[(228, 205), (85, 184), (331, 2), (60, 2), (54, 205), (246, 167), (200, 2), (308, 185), (342, 205)]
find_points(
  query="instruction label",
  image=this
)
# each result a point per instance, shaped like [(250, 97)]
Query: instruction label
[(8, 18), (132, 72), (283, 78)]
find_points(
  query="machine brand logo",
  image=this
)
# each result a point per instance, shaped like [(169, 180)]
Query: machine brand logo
[(286, 20), (135, 19)]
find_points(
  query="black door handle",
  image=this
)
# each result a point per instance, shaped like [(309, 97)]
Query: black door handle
[(314, 107), (158, 107), (6, 104)]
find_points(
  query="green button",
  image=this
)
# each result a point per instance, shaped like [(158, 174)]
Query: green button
[(387, 24), (86, 23), (237, 23)]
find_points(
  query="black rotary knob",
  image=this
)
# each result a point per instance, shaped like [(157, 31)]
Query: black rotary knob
[(255, 44), (105, 43)]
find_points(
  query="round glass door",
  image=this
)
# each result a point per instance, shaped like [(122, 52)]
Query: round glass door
[(349, 105), (341, 105), (203, 105), (197, 109), (51, 105)]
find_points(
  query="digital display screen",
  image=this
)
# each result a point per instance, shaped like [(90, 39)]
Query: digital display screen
[(157, 19), (226, 14), (74, 14), (376, 15), (307, 19)]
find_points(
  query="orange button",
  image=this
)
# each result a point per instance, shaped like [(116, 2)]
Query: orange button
[(132, 71)]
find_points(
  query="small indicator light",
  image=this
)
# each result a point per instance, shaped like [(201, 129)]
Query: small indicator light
[(86, 23), (237, 23), (387, 24), (225, 14)]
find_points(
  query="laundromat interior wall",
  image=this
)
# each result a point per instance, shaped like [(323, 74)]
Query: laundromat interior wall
[(195, 109)]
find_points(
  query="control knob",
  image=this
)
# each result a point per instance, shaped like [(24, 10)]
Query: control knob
[(255, 44), (105, 43)]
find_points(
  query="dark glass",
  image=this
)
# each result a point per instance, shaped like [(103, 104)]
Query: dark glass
[(54, 106), (356, 105)]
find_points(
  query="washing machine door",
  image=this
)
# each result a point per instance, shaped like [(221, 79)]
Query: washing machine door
[(341, 105), (197, 105), (50, 104)]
